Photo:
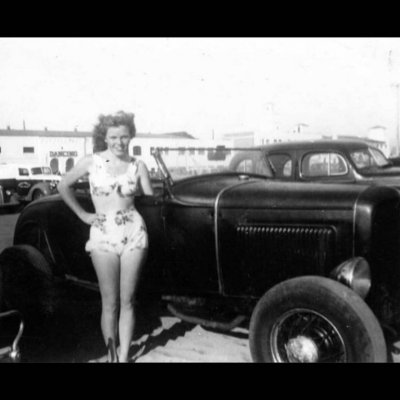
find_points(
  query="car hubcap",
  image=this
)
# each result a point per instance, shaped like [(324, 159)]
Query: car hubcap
[(301, 349), (306, 336)]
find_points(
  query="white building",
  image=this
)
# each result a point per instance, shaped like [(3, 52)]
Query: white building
[(263, 137), (271, 128), (56, 149), (377, 135), (61, 149), (240, 139)]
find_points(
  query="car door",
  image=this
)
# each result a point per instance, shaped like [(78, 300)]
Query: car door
[(154, 274), (190, 261)]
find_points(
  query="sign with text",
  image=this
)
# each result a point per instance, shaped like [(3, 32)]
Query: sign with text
[(63, 154)]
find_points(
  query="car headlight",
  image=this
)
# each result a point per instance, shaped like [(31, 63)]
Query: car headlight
[(354, 273), (53, 185)]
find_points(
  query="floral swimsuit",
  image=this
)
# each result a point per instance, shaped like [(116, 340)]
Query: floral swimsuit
[(117, 231)]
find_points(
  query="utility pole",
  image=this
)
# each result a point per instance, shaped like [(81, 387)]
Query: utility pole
[(397, 86), (393, 64)]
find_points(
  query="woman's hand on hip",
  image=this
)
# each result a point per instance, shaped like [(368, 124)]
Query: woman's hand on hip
[(88, 218)]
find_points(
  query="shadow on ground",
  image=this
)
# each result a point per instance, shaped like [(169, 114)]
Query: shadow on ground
[(160, 340), (73, 335)]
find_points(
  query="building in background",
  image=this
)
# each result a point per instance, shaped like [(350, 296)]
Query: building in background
[(300, 131), (271, 129), (143, 144), (60, 150), (57, 149), (240, 139), (378, 135)]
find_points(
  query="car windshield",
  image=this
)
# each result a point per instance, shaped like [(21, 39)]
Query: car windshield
[(369, 157), (41, 171), (182, 162)]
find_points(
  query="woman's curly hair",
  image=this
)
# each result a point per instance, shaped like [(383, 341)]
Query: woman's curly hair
[(121, 118)]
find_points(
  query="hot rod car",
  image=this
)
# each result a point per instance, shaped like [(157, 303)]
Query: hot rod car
[(312, 270)]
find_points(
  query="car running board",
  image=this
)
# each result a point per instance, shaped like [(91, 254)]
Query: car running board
[(223, 326)]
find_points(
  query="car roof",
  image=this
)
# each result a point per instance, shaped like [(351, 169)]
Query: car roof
[(324, 144)]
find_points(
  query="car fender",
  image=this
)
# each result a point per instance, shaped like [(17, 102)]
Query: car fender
[(42, 186)]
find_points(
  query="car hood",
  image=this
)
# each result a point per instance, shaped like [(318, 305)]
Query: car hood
[(381, 172), (233, 192), (382, 179), (388, 181), (289, 195)]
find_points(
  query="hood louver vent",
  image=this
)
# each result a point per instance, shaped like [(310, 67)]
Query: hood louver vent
[(288, 248)]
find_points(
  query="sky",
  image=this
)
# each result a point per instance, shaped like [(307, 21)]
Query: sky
[(203, 86)]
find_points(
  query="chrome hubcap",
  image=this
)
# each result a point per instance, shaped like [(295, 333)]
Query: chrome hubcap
[(305, 336), (301, 349)]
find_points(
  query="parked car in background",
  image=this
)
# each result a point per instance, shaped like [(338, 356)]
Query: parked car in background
[(24, 183), (395, 161), (313, 271), (327, 161)]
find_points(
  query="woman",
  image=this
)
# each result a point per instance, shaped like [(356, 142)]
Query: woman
[(118, 238)]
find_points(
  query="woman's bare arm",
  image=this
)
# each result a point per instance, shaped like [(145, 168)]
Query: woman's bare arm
[(67, 193), (145, 179)]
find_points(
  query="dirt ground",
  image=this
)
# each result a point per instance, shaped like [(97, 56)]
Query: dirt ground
[(160, 337)]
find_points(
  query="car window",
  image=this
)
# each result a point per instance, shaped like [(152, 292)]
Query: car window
[(369, 157), (249, 162), (41, 170), (36, 171), (23, 171), (323, 164), (287, 168), (362, 159), (281, 164), (245, 165)]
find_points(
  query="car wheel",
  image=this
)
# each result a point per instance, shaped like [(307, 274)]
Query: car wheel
[(314, 319), (28, 284)]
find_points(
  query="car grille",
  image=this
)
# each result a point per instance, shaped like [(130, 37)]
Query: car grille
[(307, 247)]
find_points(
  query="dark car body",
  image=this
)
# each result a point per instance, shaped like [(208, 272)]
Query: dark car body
[(229, 247), (395, 161), (24, 183), (327, 161)]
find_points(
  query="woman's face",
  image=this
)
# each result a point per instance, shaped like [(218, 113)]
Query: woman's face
[(117, 139)]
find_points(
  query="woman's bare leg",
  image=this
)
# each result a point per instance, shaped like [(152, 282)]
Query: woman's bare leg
[(131, 262), (107, 267)]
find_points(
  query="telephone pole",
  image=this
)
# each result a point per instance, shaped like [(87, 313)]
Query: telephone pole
[(393, 64), (397, 86)]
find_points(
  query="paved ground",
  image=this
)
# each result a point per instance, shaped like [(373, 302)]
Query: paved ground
[(159, 337)]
